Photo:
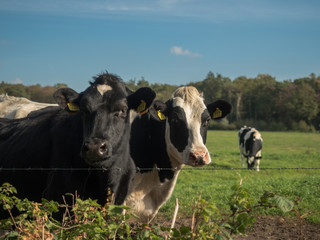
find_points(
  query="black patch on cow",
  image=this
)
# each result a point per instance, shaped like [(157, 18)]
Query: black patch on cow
[(148, 146), (205, 119), (249, 143), (252, 145), (242, 135), (179, 132), (256, 147)]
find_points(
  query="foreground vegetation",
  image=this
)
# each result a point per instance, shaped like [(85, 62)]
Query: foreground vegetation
[(88, 220)]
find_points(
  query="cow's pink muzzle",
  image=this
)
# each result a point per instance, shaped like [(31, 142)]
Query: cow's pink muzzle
[(199, 158)]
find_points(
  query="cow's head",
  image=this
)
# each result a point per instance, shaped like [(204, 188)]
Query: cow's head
[(104, 108), (187, 119)]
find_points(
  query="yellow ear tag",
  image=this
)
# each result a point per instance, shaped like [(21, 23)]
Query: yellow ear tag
[(161, 115), (141, 107), (73, 107), (217, 113)]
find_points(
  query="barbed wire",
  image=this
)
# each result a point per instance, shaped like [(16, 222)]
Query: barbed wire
[(158, 169)]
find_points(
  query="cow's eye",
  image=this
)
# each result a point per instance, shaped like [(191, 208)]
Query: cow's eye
[(121, 113), (206, 123)]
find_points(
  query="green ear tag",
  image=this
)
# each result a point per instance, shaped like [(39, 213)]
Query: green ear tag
[(217, 113), (141, 107), (161, 115), (73, 107)]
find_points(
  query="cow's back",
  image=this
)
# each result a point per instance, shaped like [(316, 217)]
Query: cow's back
[(18, 107), (28, 146)]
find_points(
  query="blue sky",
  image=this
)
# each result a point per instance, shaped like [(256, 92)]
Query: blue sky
[(164, 41)]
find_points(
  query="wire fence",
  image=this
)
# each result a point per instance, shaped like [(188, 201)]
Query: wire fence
[(158, 169)]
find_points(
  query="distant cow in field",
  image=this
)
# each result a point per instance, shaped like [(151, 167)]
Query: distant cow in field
[(18, 107), (85, 144), (250, 145), (171, 135)]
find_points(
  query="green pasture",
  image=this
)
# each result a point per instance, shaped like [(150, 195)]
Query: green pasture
[(281, 150)]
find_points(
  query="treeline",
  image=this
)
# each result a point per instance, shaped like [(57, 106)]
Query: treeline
[(35, 93), (261, 102)]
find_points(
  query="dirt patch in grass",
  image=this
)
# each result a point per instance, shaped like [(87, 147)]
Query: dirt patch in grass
[(277, 228), (266, 228)]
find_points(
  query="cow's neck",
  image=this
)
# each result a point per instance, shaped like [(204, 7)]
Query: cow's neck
[(175, 157)]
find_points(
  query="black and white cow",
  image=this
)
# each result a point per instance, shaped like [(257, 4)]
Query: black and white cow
[(171, 135), (92, 130), (250, 145)]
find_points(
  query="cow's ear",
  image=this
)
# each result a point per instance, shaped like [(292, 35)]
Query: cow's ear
[(219, 109), (158, 110), (141, 99), (67, 97)]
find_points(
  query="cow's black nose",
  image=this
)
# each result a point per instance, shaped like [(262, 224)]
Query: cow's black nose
[(95, 149)]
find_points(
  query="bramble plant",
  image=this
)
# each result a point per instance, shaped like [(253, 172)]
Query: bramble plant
[(209, 223), (89, 220)]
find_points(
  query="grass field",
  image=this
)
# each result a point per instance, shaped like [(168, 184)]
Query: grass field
[(281, 150)]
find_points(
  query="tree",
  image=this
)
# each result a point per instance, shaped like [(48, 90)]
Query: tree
[(17, 90), (298, 102), (131, 84), (142, 83), (60, 85)]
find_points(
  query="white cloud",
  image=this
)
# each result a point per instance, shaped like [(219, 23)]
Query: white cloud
[(176, 50), (16, 81)]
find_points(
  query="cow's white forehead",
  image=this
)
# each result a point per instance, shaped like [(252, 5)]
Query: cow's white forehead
[(103, 88), (189, 99)]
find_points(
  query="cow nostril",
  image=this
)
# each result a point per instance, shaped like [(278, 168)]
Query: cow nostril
[(85, 147), (103, 148)]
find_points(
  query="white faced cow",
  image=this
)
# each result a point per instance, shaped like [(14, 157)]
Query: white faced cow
[(250, 145), (18, 107), (171, 135)]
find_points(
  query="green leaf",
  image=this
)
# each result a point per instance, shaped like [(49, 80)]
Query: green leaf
[(219, 237), (284, 204), (115, 210), (12, 235), (145, 234), (6, 207)]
